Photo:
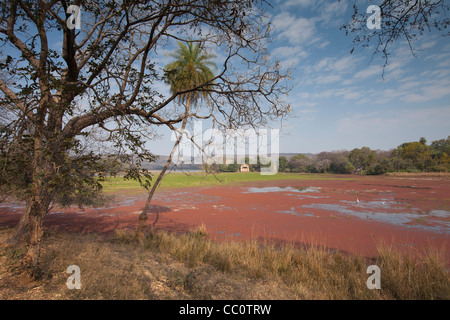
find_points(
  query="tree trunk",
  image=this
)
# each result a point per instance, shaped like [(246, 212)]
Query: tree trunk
[(21, 234), (141, 229), (140, 232), (37, 210), (142, 226), (38, 205)]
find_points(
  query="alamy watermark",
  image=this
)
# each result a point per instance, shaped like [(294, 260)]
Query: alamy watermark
[(74, 21), (214, 146), (374, 21), (374, 281), (74, 281)]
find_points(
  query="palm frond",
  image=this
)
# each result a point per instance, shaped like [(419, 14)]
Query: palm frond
[(191, 69)]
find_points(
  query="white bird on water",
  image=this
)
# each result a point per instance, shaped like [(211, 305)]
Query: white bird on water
[(357, 200)]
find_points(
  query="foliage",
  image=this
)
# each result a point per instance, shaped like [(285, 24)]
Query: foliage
[(300, 163), (362, 159), (282, 163), (103, 81), (233, 167), (78, 179), (192, 69), (410, 156)]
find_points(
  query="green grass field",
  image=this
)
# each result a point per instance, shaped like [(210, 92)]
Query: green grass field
[(200, 179)]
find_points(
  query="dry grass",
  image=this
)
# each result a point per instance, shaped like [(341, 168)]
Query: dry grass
[(189, 266), (418, 174)]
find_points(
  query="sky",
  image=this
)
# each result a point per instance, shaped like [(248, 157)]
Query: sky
[(342, 101)]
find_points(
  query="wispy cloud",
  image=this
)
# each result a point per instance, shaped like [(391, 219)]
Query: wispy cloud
[(385, 122), (294, 30)]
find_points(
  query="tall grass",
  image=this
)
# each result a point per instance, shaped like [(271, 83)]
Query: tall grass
[(189, 266), (313, 272), (418, 174), (406, 278)]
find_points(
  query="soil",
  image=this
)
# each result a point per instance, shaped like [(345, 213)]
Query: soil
[(351, 215)]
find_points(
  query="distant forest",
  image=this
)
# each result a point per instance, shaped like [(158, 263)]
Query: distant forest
[(408, 157)]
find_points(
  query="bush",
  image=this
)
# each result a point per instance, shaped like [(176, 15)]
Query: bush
[(438, 168)]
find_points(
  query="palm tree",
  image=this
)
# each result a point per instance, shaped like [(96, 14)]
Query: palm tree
[(190, 70), (190, 76)]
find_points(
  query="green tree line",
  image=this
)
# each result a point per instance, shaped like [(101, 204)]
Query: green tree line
[(415, 156), (234, 167)]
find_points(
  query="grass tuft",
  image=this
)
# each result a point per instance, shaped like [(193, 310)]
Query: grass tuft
[(189, 266)]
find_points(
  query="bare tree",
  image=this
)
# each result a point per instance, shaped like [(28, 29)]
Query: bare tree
[(400, 20), (105, 76)]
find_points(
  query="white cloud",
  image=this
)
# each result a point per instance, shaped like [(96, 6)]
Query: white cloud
[(444, 64), (436, 74), (331, 14), (382, 122), (342, 64), (428, 92), (289, 55), (428, 45), (296, 30), (289, 51), (288, 63), (324, 44), (353, 95), (330, 70), (368, 72), (301, 3), (345, 93), (438, 56), (411, 84), (306, 111), (328, 79), (337, 65)]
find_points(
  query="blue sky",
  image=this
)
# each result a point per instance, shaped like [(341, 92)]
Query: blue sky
[(340, 100)]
